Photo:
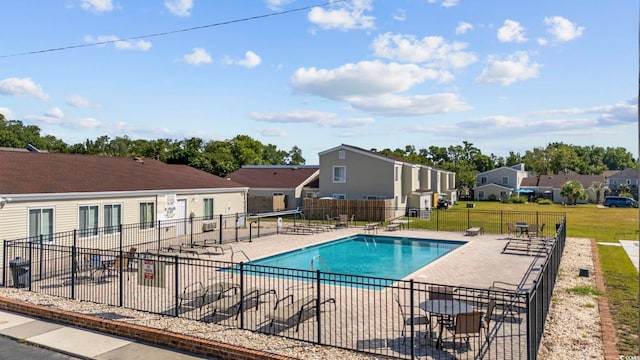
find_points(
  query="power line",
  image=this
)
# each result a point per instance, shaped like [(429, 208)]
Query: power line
[(175, 31)]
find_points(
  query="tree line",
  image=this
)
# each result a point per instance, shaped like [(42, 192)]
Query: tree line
[(222, 157)]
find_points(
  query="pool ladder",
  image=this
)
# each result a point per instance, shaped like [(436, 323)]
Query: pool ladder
[(373, 240), (321, 260), (239, 252)]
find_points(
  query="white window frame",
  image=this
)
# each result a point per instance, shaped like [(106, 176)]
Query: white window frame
[(339, 196), (505, 180), (47, 238), (146, 223), (85, 228), (397, 173), (110, 226), (483, 180), (480, 194), (207, 208), (342, 154), (343, 178)]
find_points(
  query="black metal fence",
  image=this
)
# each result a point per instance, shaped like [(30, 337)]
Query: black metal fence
[(374, 315)]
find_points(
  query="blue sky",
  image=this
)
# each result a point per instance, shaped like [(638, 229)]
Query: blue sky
[(504, 75)]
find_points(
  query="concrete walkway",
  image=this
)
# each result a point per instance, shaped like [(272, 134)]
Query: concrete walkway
[(84, 344)]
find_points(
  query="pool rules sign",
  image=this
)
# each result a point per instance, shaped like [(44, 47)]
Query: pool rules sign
[(151, 272)]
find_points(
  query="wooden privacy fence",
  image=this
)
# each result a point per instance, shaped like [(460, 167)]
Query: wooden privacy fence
[(370, 210)]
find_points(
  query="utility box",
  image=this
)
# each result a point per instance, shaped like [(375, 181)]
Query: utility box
[(20, 272)]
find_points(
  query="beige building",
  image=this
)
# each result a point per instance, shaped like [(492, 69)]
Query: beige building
[(45, 193), (353, 173)]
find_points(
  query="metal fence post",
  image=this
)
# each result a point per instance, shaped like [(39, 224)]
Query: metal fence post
[(191, 229), (158, 229), (220, 228), (412, 315), (31, 264), (237, 220), (318, 312), (242, 294), (177, 292), (4, 263), (41, 253)]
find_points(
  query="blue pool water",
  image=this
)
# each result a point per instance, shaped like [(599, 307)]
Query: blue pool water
[(365, 255)]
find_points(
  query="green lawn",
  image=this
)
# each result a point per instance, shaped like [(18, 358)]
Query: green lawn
[(620, 276)]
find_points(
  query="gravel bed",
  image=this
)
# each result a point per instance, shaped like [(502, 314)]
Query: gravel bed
[(572, 329)]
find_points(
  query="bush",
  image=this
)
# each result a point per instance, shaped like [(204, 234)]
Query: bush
[(626, 194), (493, 197), (542, 201), (518, 200)]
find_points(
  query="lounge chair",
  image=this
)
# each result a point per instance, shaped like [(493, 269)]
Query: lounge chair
[(235, 303), (284, 314), (213, 290)]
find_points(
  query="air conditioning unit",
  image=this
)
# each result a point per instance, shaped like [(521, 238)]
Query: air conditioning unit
[(208, 226)]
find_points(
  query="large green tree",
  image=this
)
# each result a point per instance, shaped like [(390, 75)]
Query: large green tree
[(573, 191)]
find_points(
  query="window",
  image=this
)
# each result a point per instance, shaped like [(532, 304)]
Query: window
[(480, 195), (341, 155), (339, 174), (88, 220), (483, 180), (505, 180), (208, 208), (339, 196), (41, 224), (146, 215), (112, 218)]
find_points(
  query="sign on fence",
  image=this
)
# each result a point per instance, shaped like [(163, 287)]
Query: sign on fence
[(151, 273)]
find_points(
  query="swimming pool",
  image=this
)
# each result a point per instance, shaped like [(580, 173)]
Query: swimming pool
[(365, 255)]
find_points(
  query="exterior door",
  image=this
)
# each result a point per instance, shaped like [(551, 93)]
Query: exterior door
[(181, 214)]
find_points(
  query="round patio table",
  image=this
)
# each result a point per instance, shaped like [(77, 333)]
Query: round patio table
[(445, 309)]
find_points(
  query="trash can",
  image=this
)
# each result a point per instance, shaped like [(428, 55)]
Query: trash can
[(20, 270)]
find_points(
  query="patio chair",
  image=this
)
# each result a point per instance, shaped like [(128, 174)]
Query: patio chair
[(294, 310), (486, 321), (466, 325), (408, 320), (343, 220), (511, 230)]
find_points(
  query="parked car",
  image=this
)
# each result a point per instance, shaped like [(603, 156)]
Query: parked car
[(443, 204), (619, 201)]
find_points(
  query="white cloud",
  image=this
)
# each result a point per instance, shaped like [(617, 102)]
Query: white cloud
[(250, 60), (278, 4), (432, 49), (180, 8), (85, 123), (80, 102), (96, 6), (54, 112), (22, 87), (415, 105), (400, 15), (141, 45), (542, 41), (273, 131), (561, 29), (511, 31), (463, 27), (620, 113), (344, 16), (515, 67), (8, 114), (323, 119), (198, 56), (366, 78), (450, 3)]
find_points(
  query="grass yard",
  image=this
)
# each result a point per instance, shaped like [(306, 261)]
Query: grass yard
[(620, 276)]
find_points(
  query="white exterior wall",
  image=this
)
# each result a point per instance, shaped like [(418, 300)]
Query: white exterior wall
[(14, 216)]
